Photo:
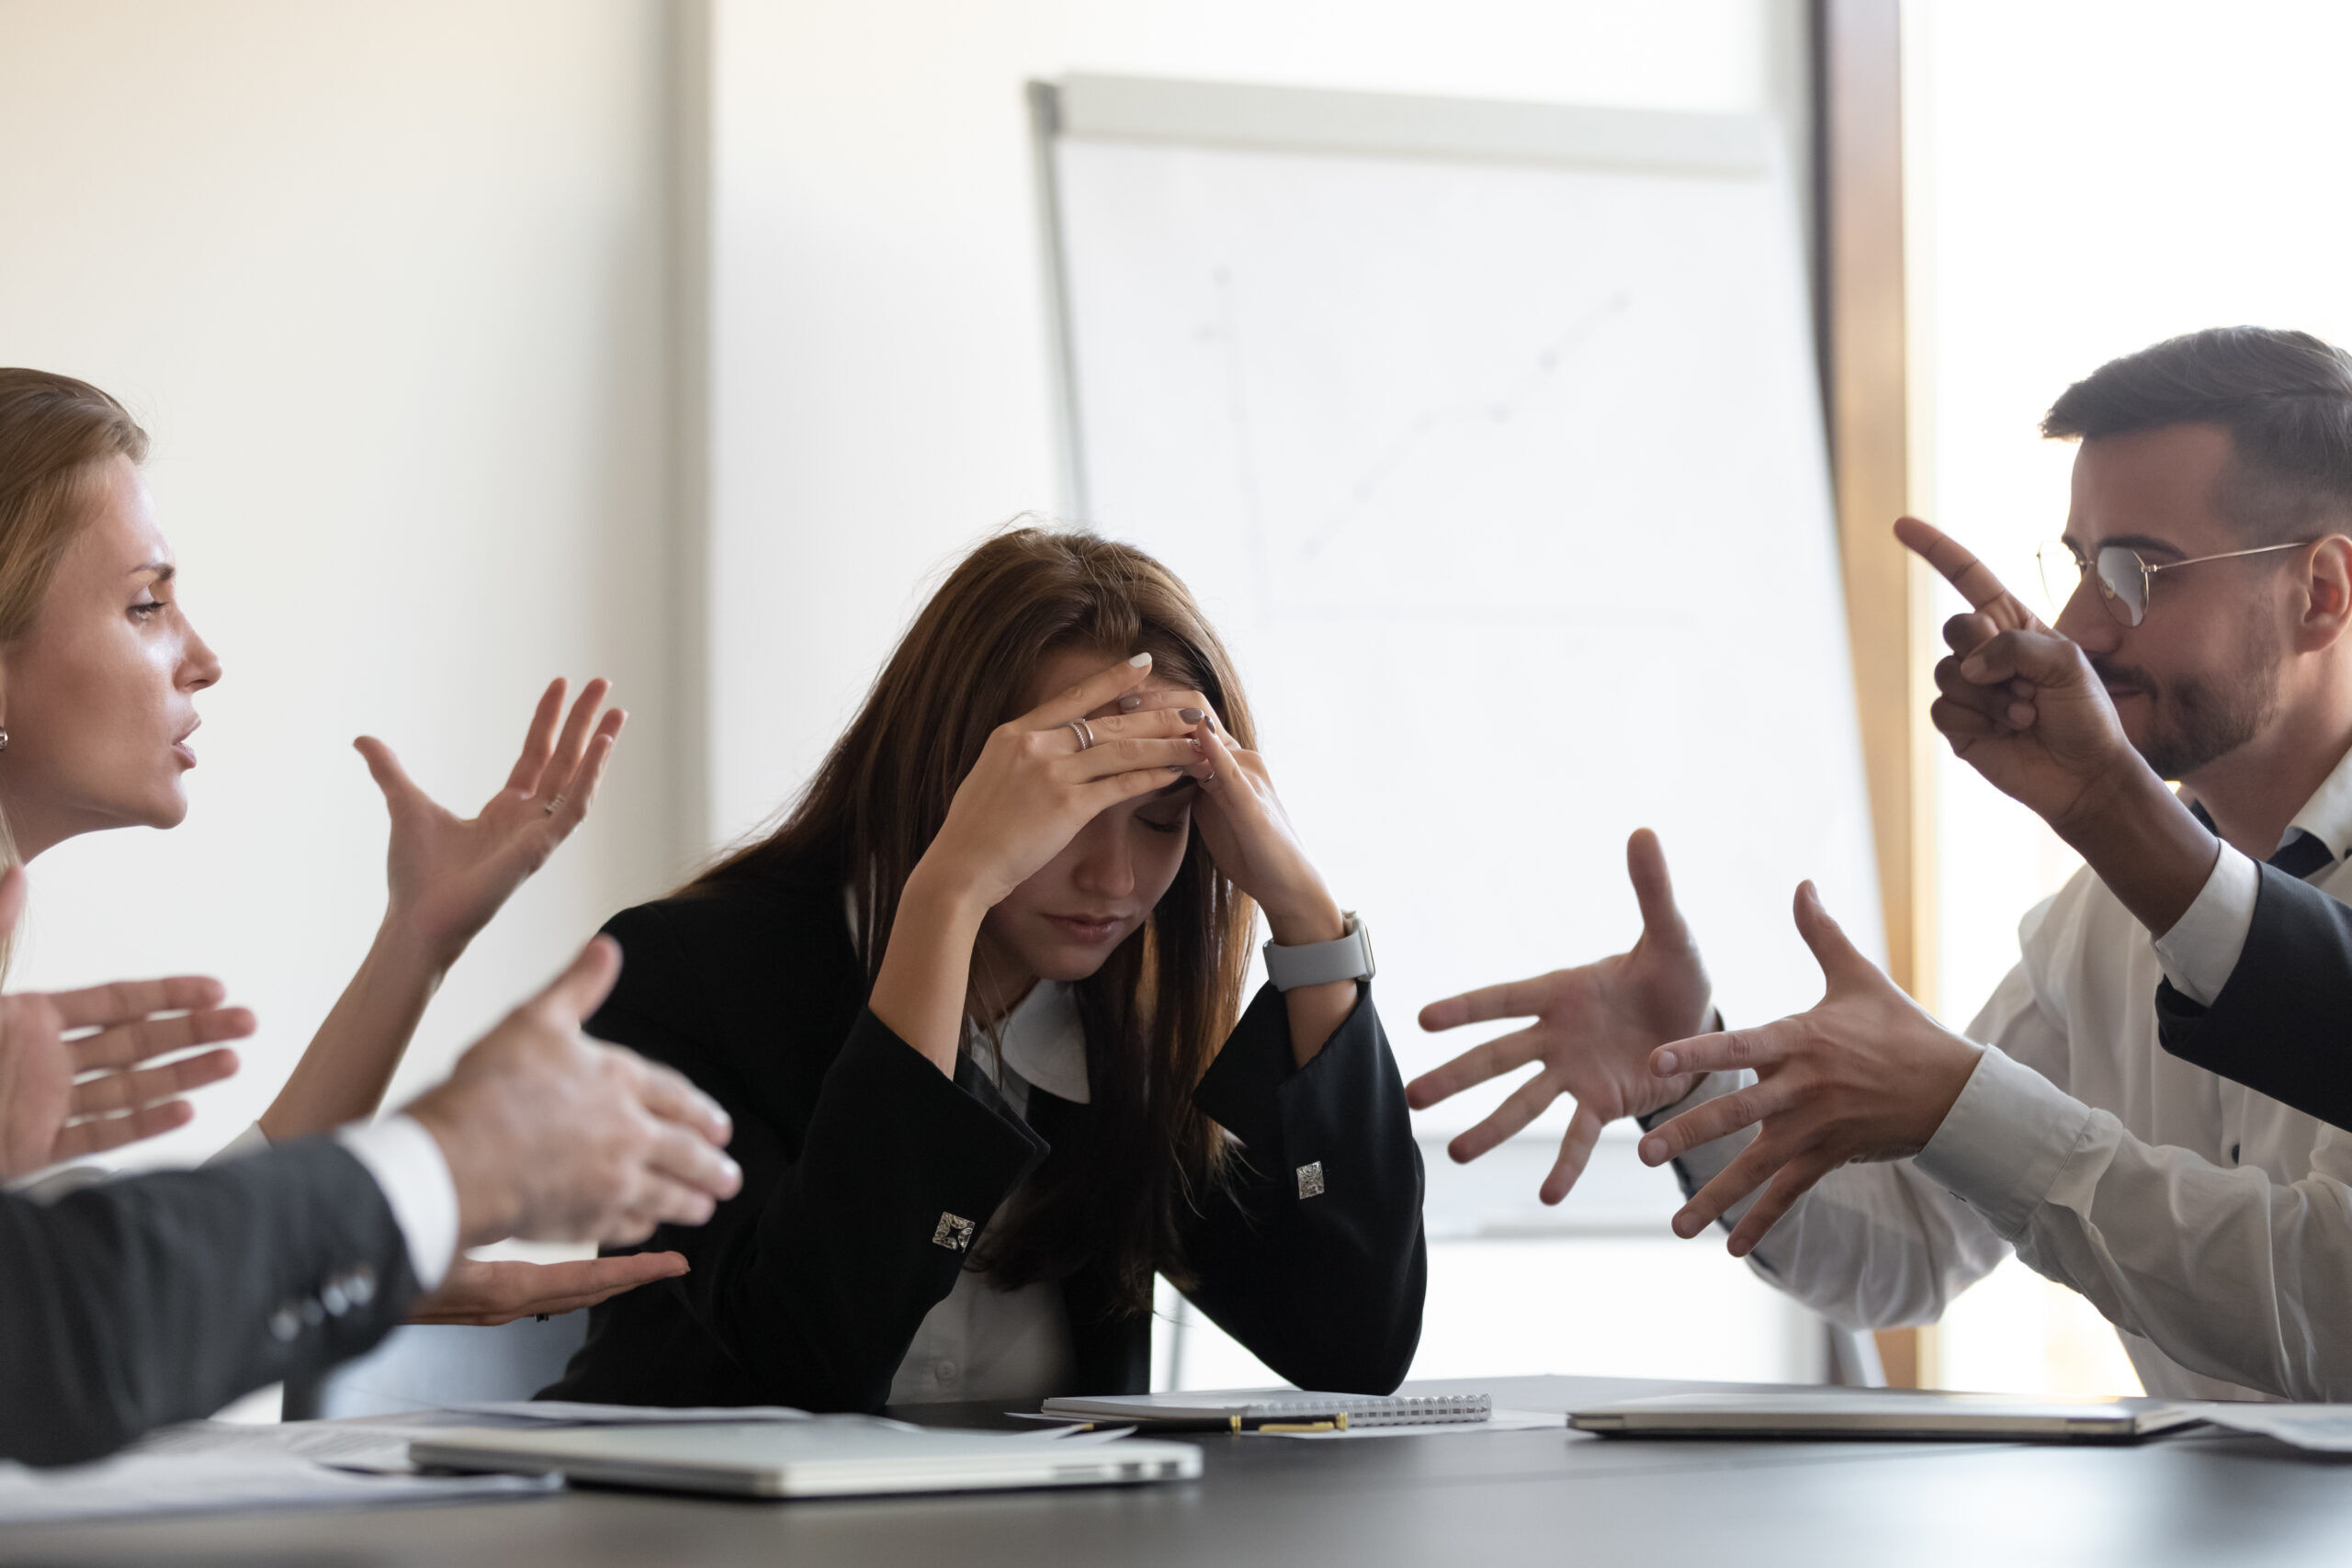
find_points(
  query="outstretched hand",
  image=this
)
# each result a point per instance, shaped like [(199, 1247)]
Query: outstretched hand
[(2018, 702), (66, 1097), (1866, 1074), (1594, 1029), (450, 874), (487, 1293)]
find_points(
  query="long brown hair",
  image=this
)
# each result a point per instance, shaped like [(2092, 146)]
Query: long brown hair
[(1157, 1010)]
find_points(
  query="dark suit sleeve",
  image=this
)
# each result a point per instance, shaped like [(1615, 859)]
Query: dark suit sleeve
[(815, 1276), (161, 1298), (1312, 1256), (2282, 1022)]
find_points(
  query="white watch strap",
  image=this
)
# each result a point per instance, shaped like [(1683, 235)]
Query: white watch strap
[(1348, 957)]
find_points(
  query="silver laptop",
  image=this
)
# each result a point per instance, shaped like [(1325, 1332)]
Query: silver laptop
[(826, 1456), (1861, 1412)]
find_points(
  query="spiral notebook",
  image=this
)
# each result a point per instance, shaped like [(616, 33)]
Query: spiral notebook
[(1276, 1409)]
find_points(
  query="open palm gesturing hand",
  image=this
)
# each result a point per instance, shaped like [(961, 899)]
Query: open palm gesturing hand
[(449, 875)]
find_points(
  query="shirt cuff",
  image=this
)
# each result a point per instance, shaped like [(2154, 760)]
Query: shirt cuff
[(408, 1166), (2203, 945), (2005, 1141)]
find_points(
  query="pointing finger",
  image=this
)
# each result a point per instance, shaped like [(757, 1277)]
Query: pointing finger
[(1960, 567)]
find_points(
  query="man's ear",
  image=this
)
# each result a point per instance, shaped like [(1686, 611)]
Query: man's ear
[(2327, 595)]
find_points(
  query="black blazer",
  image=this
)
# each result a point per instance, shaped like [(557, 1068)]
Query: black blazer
[(859, 1157), (2281, 1023), (160, 1298)]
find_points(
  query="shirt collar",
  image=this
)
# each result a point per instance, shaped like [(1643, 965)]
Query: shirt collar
[(1043, 1041), (2327, 815)]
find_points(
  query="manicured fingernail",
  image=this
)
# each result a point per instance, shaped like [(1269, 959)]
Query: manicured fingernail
[(1141, 660), (1196, 745), (1175, 767), (1129, 703), (1189, 716), (1973, 667), (1663, 1064)]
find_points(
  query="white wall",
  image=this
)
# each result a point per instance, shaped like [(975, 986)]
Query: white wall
[(386, 284), (879, 365), (881, 396)]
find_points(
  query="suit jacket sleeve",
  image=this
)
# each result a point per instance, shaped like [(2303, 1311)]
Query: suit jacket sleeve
[(815, 1276), (160, 1298), (1312, 1255), (2282, 1024)]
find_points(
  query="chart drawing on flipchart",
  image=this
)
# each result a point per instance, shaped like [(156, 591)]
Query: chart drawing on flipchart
[(1505, 483)]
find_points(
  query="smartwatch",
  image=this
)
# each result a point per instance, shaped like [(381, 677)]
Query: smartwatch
[(1348, 957)]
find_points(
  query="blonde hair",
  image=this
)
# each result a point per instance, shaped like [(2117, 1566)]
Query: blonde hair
[(55, 434)]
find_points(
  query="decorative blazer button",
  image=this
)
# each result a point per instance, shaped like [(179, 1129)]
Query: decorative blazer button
[(1310, 1179), (284, 1324), (954, 1232), (360, 1284), (332, 1297), (313, 1314)]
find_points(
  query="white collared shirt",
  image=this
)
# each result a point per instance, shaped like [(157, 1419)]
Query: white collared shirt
[(2204, 945), (2211, 1225), (982, 1342)]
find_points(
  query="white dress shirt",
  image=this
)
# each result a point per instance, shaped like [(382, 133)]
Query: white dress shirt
[(2211, 1225), (982, 1342), (2203, 945)]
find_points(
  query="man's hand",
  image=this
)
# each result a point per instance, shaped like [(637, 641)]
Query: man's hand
[(1594, 1029), (2018, 703), (2021, 705), (1865, 1075), (67, 1096), (485, 1295), (552, 1136)]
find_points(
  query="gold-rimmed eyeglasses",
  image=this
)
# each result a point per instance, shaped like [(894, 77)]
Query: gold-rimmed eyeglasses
[(2125, 577)]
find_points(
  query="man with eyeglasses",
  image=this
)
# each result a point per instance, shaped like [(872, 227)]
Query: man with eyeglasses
[(1873, 1163)]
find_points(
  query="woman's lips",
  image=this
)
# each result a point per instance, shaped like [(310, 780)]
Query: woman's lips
[(1088, 929), (185, 752)]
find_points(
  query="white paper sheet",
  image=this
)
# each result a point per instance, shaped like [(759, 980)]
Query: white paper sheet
[(2322, 1429), (141, 1483)]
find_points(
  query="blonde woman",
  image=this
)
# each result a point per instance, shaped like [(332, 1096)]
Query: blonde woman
[(100, 668)]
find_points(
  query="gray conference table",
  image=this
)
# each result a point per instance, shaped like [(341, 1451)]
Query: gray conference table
[(1494, 1498)]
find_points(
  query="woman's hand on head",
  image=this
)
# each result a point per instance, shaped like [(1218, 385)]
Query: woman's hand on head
[(1035, 784), (450, 874), (1246, 833)]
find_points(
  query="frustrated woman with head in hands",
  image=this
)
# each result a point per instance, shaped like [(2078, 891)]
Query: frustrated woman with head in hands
[(100, 668), (976, 1009)]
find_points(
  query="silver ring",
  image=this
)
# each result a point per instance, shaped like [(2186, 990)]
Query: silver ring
[(1085, 733), (554, 803)]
